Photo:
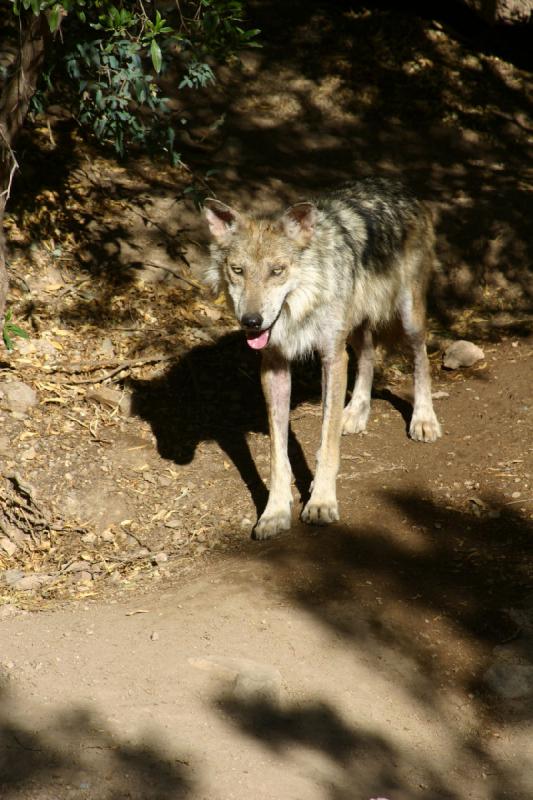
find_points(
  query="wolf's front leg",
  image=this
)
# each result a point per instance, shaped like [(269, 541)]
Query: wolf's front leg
[(276, 382), (322, 505)]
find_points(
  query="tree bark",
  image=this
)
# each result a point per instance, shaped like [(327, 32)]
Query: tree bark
[(15, 99)]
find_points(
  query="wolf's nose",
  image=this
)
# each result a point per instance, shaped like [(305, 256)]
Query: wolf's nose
[(252, 321)]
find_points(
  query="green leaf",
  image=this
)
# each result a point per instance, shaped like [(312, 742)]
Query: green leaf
[(7, 340), (16, 331), (155, 52), (55, 18)]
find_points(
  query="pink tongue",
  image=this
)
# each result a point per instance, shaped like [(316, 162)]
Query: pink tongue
[(259, 340)]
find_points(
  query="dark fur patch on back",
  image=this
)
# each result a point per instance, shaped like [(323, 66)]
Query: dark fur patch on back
[(384, 207)]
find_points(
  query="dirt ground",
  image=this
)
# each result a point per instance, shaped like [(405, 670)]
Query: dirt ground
[(148, 648)]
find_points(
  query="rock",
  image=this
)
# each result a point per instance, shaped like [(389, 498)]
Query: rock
[(258, 682), (89, 538), (112, 398), (440, 395), (82, 577), (508, 12), (106, 348), (462, 354), (5, 445), (18, 397), (11, 576), (510, 680), (43, 347), (8, 546), (98, 505), (160, 558), (154, 636), (251, 680), (31, 583), (29, 454), (132, 451), (76, 566)]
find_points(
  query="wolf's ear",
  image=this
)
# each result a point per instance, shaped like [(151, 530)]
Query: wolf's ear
[(299, 222), (223, 221)]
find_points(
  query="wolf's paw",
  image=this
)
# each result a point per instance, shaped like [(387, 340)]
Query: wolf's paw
[(272, 524), (425, 428), (354, 419), (320, 513)]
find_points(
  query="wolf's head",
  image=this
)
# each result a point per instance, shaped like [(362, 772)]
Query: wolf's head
[(256, 262)]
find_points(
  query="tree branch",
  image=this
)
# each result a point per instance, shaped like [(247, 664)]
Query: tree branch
[(15, 99)]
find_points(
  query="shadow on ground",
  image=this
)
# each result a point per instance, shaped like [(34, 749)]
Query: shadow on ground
[(426, 621), (213, 393), (79, 755), (424, 592)]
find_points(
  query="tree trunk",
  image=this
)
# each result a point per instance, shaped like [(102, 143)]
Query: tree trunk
[(18, 90)]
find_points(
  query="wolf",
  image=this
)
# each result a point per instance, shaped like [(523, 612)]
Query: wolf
[(329, 271)]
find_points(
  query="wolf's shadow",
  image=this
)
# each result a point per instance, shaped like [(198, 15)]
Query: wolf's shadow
[(213, 393)]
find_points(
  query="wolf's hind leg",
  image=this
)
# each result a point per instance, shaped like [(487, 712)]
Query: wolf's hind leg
[(424, 426), (355, 415)]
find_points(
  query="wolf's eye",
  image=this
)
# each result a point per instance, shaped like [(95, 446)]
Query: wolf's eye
[(237, 270), (276, 271)]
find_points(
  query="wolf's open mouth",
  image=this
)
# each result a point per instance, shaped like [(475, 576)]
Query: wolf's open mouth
[(258, 340)]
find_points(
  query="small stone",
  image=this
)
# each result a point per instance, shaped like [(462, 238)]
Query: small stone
[(440, 395), (160, 558), (106, 348), (246, 523), (18, 397), (7, 545), (82, 577), (510, 680), (5, 445), (107, 536), (258, 683), (98, 504), (31, 583), (76, 566), (154, 636), (28, 454), (112, 398), (89, 538), (462, 354), (250, 680), (45, 347), (25, 346), (11, 576)]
